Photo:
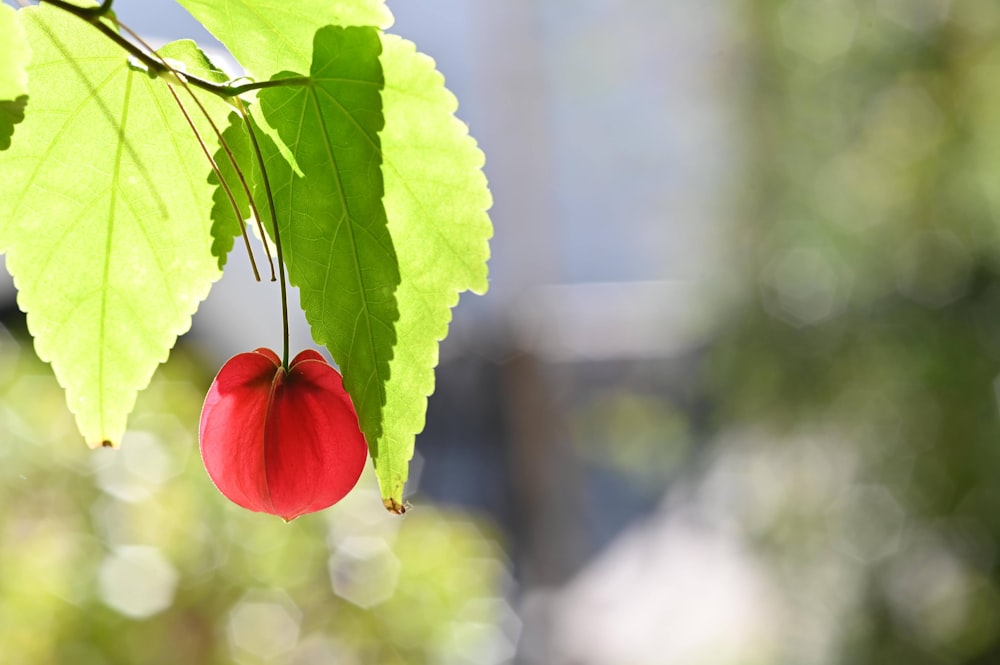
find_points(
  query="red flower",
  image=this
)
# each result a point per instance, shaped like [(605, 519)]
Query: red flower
[(285, 443)]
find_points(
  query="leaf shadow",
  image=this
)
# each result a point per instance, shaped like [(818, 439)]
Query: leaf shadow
[(113, 118), (11, 113), (334, 229)]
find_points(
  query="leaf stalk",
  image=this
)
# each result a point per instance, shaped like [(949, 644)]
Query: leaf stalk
[(277, 234), (94, 16), (225, 146)]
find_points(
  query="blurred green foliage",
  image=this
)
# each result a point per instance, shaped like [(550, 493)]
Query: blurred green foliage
[(132, 556), (868, 241)]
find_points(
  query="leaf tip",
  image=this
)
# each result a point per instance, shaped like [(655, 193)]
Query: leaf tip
[(393, 506), (103, 442)]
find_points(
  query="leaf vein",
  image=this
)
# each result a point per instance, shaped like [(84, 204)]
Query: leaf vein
[(348, 222)]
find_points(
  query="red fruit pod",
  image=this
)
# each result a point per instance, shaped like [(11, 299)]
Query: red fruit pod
[(284, 443)]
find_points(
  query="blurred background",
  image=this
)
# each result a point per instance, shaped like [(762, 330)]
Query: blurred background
[(731, 400)]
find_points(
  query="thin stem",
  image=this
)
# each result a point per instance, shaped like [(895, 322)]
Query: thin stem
[(234, 90), (93, 16), (94, 12), (277, 235), (222, 181), (225, 146)]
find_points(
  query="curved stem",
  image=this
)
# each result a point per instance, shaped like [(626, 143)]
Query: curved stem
[(222, 182), (277, 235), (93, 16), (225, 146), (88, 12)]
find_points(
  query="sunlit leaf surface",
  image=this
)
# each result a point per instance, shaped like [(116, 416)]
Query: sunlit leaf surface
[(270, 36), (104, 221)]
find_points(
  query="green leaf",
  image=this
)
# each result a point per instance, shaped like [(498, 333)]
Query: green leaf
[(436, 198), (269, 36), (333, 226), (381, 304), (385, 227), (192, 60), (11, 113), (225, 223), (187, 57), (14, 57), (105, 222)]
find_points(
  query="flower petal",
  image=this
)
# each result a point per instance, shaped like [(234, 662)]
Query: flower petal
[(277, 442), (315, 448), (232, 428)]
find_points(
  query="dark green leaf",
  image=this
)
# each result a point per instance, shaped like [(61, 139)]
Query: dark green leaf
[(14, 58), (385, 225), (335, 238)]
